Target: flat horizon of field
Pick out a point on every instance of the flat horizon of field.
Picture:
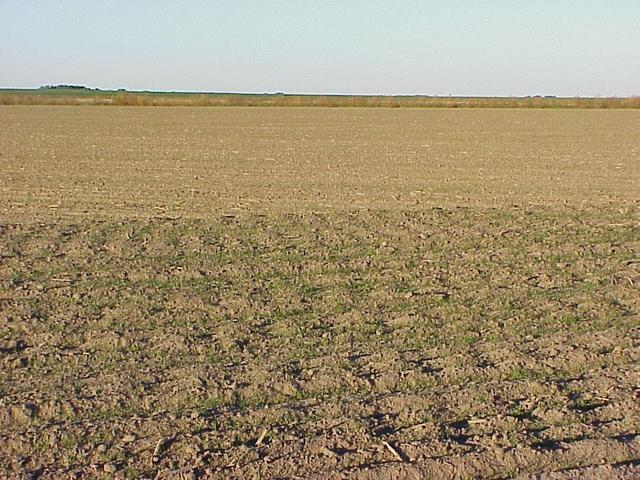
(89, 90)
(82, 96)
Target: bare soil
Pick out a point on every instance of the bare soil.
(317, 293)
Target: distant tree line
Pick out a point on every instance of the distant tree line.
(67, 87)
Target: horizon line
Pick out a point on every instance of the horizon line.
(81, 88)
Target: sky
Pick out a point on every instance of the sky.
(429, 47)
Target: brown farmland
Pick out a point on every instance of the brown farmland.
(325, 293)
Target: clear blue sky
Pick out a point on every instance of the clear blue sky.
(465, 47)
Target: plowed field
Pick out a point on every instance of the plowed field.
(319, 293)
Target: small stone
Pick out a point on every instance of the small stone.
(110, 467)
(101, 448)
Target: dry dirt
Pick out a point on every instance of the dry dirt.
(318, 293)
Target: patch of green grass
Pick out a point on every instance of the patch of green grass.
(68, 441)
(213, 402)
(311, 290)
(359, 287)
(569, 319)
(130, 472)
(468, 340)
(518, 374)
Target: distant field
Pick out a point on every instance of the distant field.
(62, 96)
(319, 293)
